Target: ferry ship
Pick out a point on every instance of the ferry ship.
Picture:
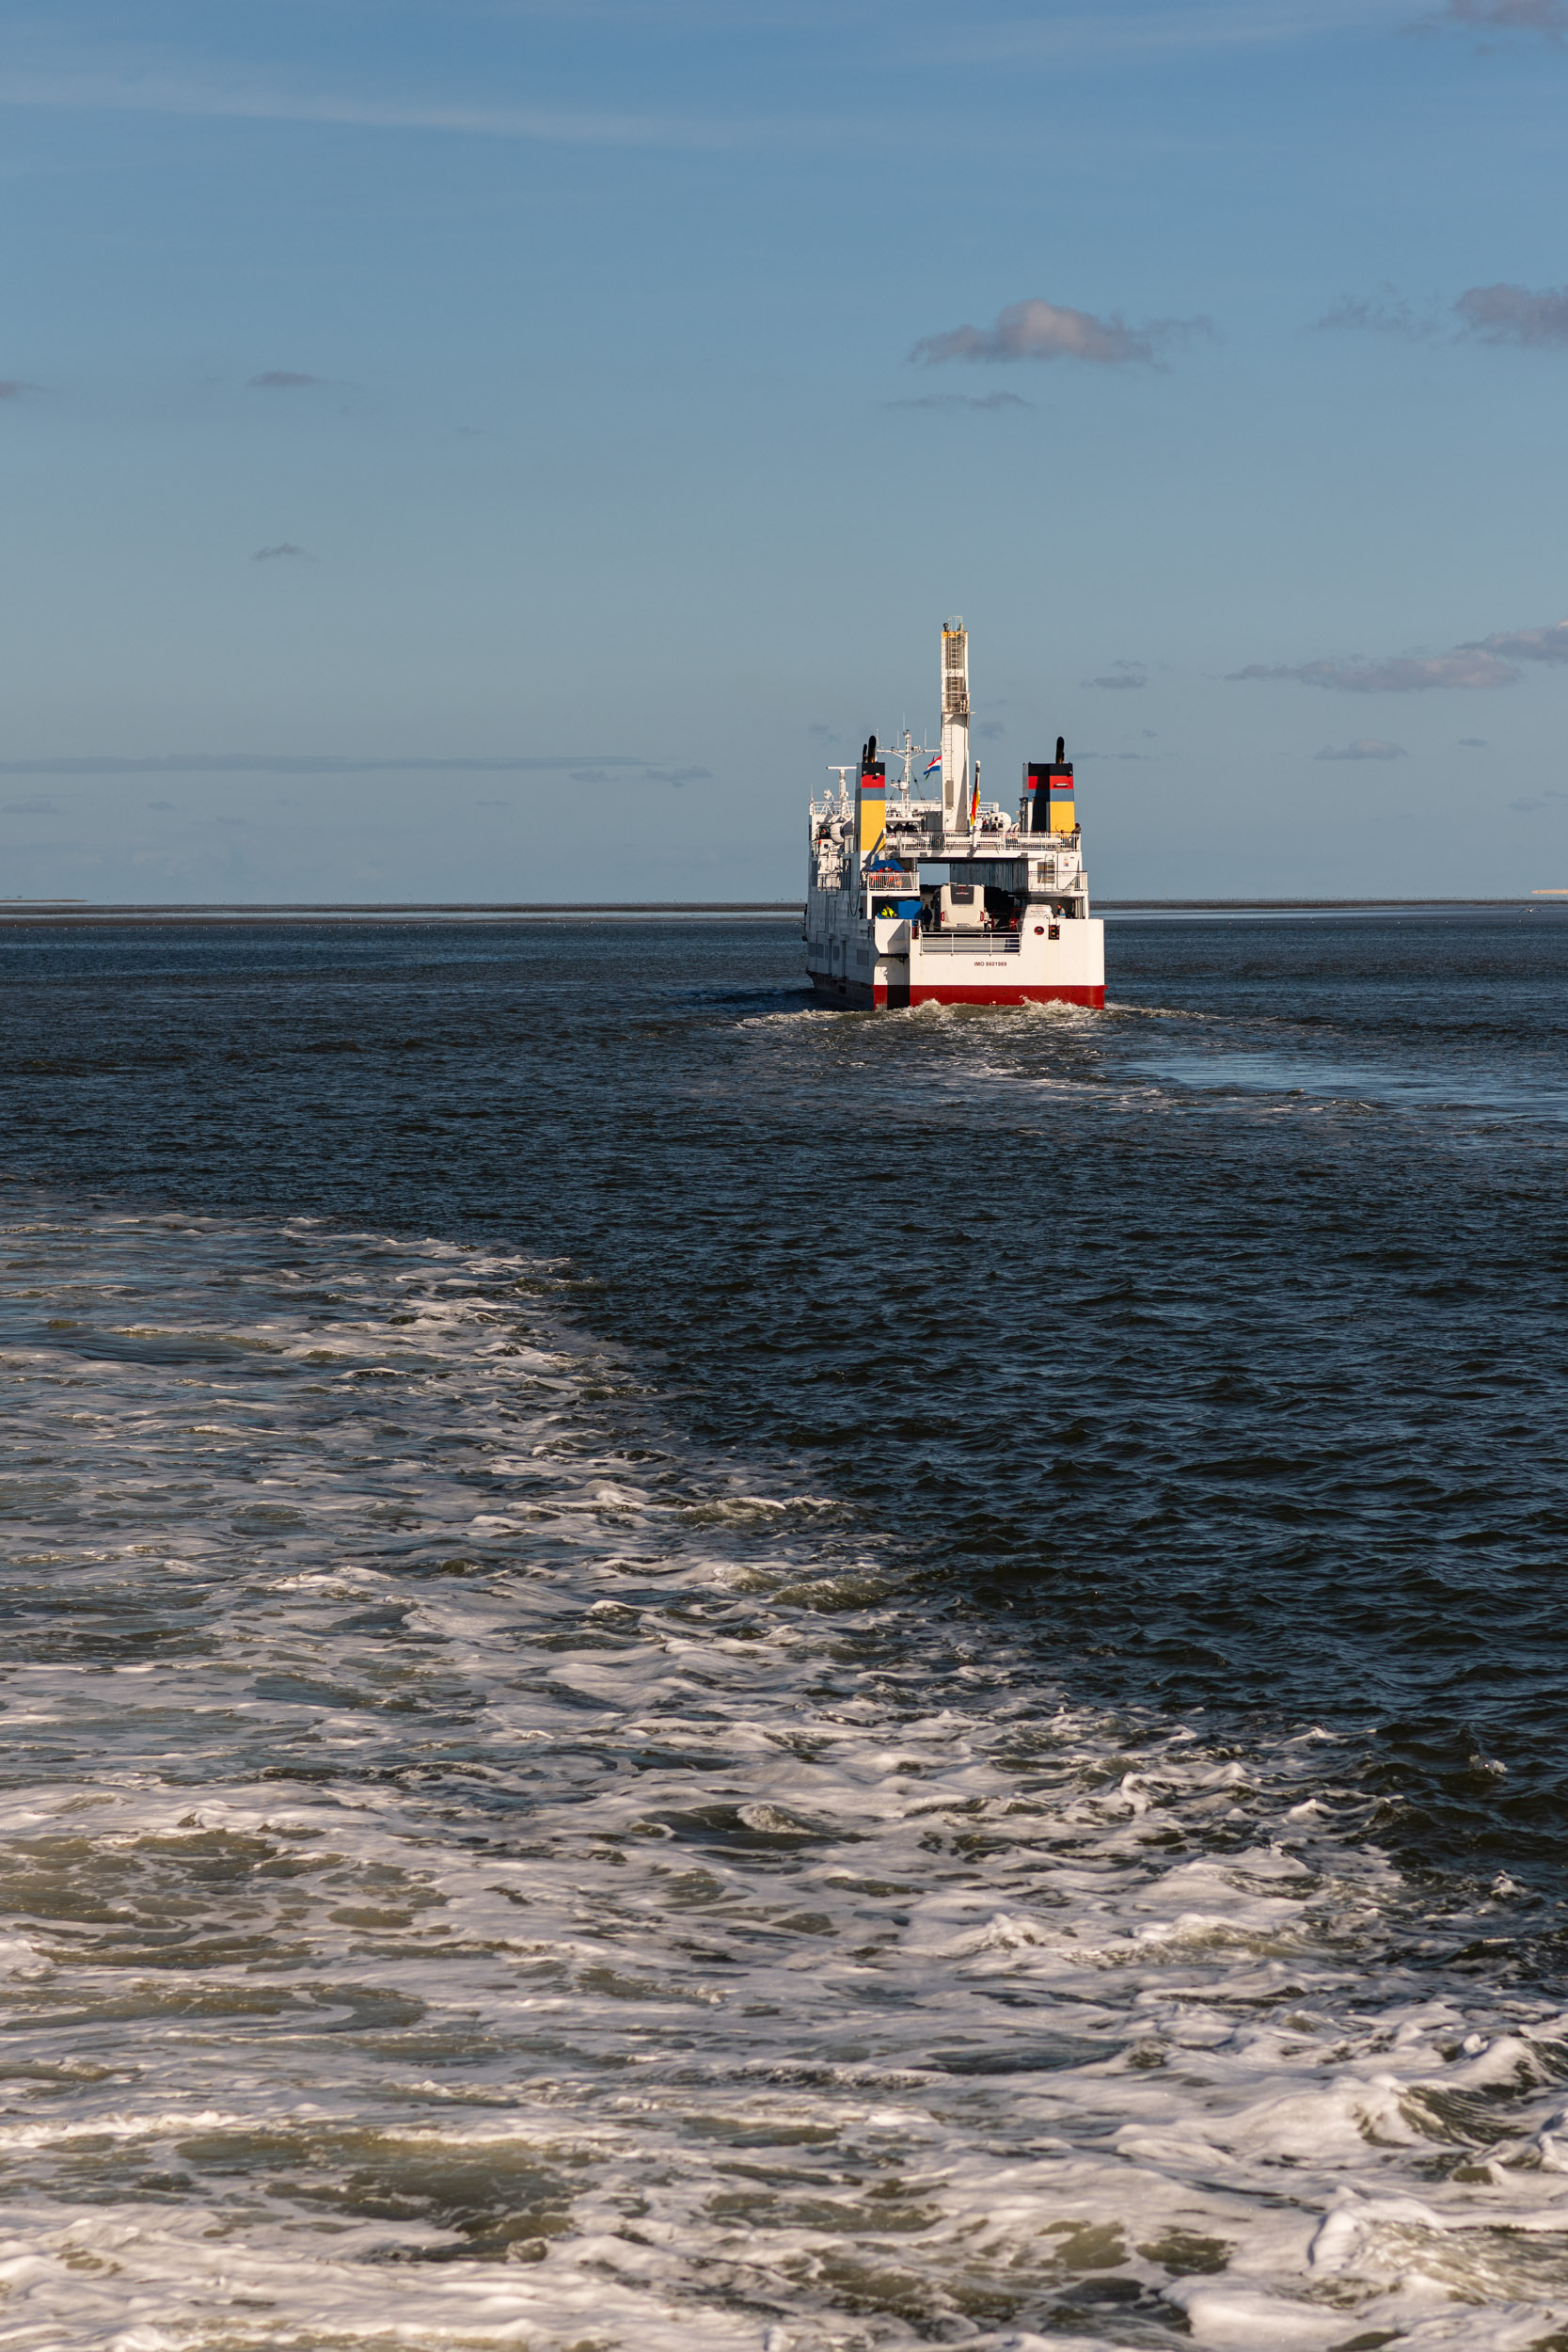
(1007, 922)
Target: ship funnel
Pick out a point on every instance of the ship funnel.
(955, 726)
(1048, 805)
(873, 798)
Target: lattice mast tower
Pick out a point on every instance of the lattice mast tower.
(954, 727)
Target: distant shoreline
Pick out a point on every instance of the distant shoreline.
(29, 913)
(15, 911)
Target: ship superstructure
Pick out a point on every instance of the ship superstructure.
(919, 892)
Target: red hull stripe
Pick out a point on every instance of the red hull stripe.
(859, 993)
(1065, 994)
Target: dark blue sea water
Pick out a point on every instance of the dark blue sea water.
(687, 1670)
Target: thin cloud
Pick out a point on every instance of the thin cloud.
(284, 380)
(1548, 18)
(1387, 313)
(195, 95)
(1511, 314)
(1530, 320)
(1472, 742)
(1038, 329)
(697, 16)
(31, 808)
(1407, 674)
(989, 730)
(678, 776)
(1364, 747)
(963, 400)
(305, 764)
(1130, 33)
(17, 387)
(284, 548)
(1121, 674)
(1530, 644)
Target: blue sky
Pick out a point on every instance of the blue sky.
(506, 449)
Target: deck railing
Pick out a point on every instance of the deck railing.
(970, 944)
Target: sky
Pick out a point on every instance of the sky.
(506, 450)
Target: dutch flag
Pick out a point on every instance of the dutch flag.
(933, 765)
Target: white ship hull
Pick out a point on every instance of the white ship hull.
(847, 963)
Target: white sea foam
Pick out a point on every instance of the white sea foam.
(475, 1874)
